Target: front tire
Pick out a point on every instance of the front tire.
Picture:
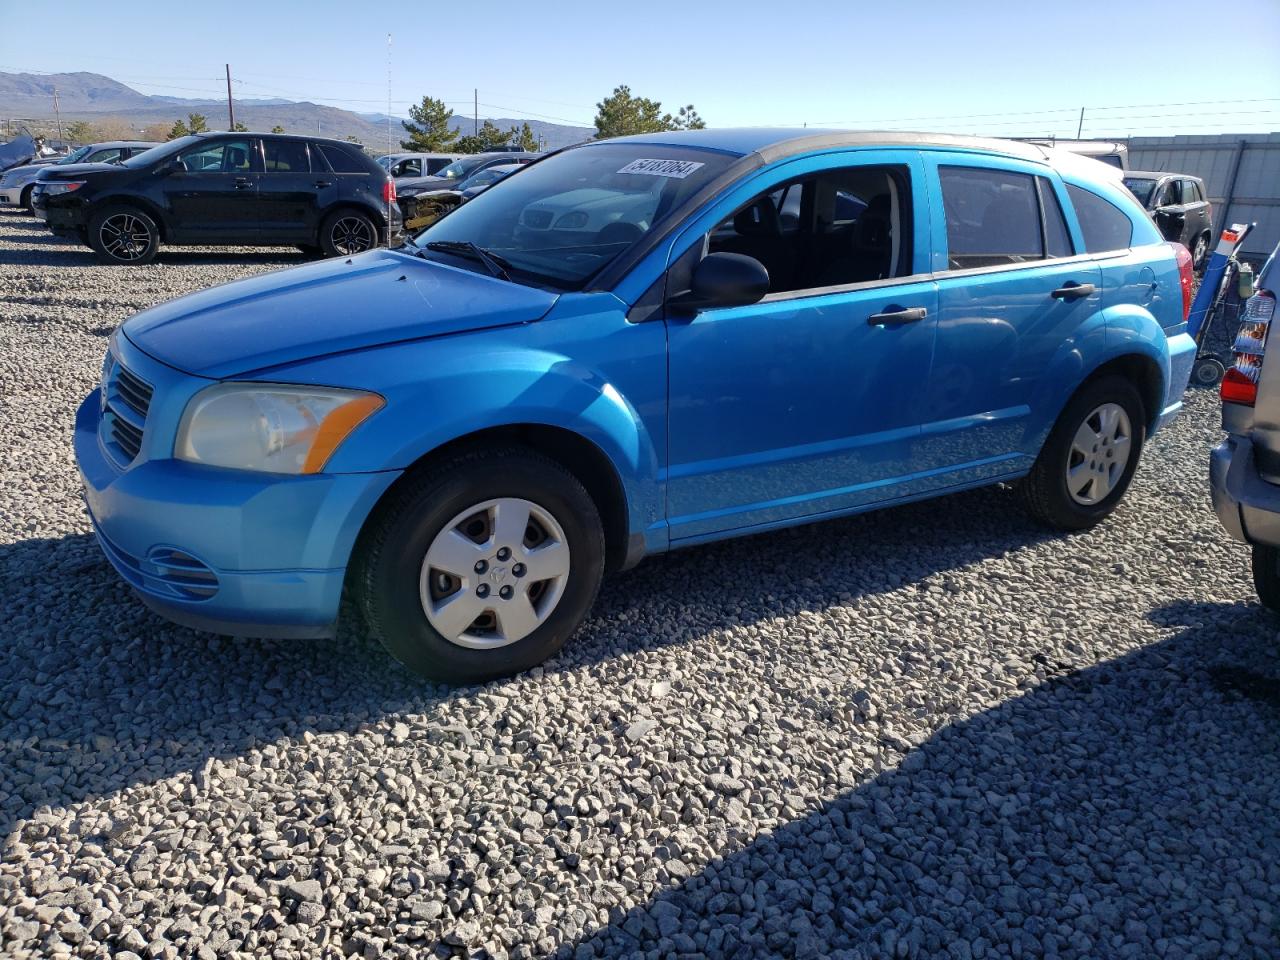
(1266, 575)
(25, 201)
(482, 566)
(123, 235)
(345, 233)
(1089, 458)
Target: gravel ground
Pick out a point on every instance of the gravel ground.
(932, 731)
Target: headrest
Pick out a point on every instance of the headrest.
(759, 219)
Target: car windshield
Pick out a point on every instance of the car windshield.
(1141, 188)
(564, 218)
(74, 156)
(484, 176)
(461, 168)
(148, 157)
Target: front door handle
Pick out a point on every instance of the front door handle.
(324, 183)
(1074, 291)
(895, 316)
(243, 183)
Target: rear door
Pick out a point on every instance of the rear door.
(1196, 209)
(291, 194)
(1017, 296)
(214, 198)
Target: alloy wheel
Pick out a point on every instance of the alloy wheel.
(351, 235)
(125, 237)
(1099, 454)
(494, 573)
(1201, 248)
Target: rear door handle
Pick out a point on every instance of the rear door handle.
(895, 316)
(243, 183)
(324, 183)
(1074, 291)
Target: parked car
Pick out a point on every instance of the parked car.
(449, 177)
(468, 431)
(22, 149)
(1180, 206)
(1113, 153)
(16, 183)
(1244, 470)
(325, 196)
(423, 206)
(416, 164)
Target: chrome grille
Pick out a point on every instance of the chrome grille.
(126, 398)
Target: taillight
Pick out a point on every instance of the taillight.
(1186, 277)
(1240, 385)
(389, 191)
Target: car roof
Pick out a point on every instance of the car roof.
(773, 143)
(123, 143)
(1157, 174)
(310, 138)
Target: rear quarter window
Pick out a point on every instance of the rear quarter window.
(342, 160)
(1104, 225)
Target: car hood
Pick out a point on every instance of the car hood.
(16, 152)
(427, 183)
(69, 171)
(324, 308)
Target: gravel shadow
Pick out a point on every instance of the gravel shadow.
(1063, 849)
(179, 698)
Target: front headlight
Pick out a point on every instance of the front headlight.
(273, 428)
(54, 187)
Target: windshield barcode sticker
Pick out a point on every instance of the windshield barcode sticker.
(676, 169)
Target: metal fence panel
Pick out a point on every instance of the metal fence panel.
(1241, 172)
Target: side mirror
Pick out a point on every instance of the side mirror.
(724, 280)
(171, 166)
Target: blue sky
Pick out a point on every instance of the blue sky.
(967, 66)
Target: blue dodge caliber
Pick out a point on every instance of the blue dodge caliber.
(625, 347)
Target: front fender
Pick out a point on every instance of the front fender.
(438, 391)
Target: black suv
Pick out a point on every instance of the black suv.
(323, 196)
(1180, 207)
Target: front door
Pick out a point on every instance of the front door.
(214, 197)
(807, 402)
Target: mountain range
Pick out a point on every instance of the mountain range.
(96, 98)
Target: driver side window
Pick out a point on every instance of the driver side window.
(829, 229)
(226, 157)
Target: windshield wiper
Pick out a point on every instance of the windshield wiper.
(495, 264)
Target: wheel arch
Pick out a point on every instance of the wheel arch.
(1143, 372)
(576, 453)
(378, 216)
(148, 207)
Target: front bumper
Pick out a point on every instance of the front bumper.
(225, 550)
(1247, 506)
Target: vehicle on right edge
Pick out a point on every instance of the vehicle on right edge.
(1244, 470)
(631, 346)
(1180, 207)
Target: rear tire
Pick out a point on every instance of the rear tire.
(25, 201)
(1200, 252)
(345, 233)
(1078, 478)
(1266, 575)
(447, 518)
(123, 235)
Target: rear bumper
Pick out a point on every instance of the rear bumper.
(1247, 506)
(1182, 360)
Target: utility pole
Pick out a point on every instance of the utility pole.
(475, 122)
(231, 110)
(1080, 128)
(57, 109)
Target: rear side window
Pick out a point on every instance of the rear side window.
(993, 217)
(1104, 225)
(1191, 192)
(286, 156)
(340, 159)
